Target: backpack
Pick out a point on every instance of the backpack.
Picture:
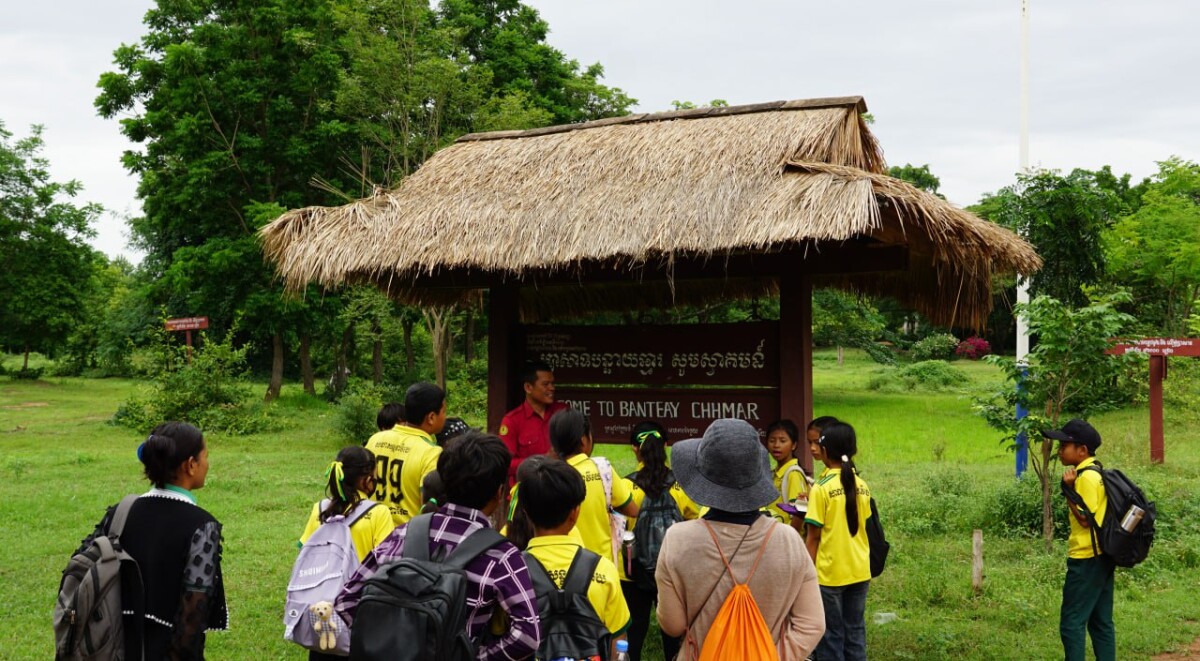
(326, 561)
(739, 630)
(1125, 545)
(571, 628)
(89, 618)
(877, 540)
(616, 520)
(416, 607)
(656, 515)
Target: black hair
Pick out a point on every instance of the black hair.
(567, 429)
(550, 493)
(821, 423)
(788, 427)
(433, 492)
(420, 400)
(167, 447)
(529, 371)
(841, 444)
(520, 528)
(473, 466)
(650, 439)
(389, 416)
(356, 462)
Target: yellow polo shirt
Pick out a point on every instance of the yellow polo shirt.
(841, 559)
(1090, 486)
(403, 457)
(593, 524)
(797, 486)
(370, 529)
(556, 552)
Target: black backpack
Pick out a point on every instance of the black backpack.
(1125, 548)
(88, 616)
(877, 540)
(570, 626)
(654, 517)
(416, 607)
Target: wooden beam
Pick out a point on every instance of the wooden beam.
(503, 311)
(849, 257)
(795, 354)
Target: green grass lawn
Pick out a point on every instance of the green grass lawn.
(935, 469)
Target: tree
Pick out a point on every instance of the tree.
(1064, 217)
(844, 320)
(921, 177)
(43, 247)
(1068, 373)
(1156, 249)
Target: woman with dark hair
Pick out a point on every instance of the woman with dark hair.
(659, 497)
(350, 480)
(838, 508)
(177, 546)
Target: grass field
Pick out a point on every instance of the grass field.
(936, 470)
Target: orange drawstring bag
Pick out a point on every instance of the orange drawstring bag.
(738, 631)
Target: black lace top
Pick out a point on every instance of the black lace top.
(178, 549)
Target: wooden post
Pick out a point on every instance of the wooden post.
(503, 302)
(1158, 372)
(795, 353)
(187, 335)
(977, 561)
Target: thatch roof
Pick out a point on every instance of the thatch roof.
(646, 192)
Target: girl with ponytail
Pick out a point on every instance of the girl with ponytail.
(177, 546)
(349, 480)
(838, 507)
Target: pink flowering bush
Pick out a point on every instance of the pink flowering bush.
(973, 348)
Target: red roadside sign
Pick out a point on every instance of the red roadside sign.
(187, 323)
(1158, 346)
(1158, 349)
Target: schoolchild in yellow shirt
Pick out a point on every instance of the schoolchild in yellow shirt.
(350, 480)
(1087, 602)
(782, 440)
(552, 496)
(408, 452)
(571, 439)
(839, 505)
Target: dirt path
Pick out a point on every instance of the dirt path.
(1192, 653)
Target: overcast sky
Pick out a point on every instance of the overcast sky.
(1112, 82)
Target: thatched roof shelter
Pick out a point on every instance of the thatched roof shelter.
(656, 209)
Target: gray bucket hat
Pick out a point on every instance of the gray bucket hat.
(727, 468)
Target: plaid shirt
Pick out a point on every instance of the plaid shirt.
(498, 576)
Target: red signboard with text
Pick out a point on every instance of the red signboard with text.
(187, 323)
(1158, 346)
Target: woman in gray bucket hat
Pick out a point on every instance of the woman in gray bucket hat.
(729, 470)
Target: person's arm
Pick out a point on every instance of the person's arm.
(314, 522)
(100, 529)
(508, 434)
(1069, 479)
(813, 541)
(815, 518)
(518, 600)
(671, 611)
(195, 600)
(622, 496)
(805, 621)
(347, 600)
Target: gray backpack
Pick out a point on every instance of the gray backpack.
(88, 616)
(326, 561)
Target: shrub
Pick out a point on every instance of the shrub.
(354, 419)
(1016, 509)
(929, 375)
(973, 348)
(28, 373)
(939, 346)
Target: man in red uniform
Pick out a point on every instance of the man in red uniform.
(525, 429)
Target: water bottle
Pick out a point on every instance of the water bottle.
(622, 650)
(1132, 518)
(627, 551)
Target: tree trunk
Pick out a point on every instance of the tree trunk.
(276, 383)
(841, 355)
(341, 366)
(437, 320)
(306, 370)
(1047, 504)
(410, 358)
(25, 366)
(377, 353)
(469, 341)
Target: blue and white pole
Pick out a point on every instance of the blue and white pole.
(1022, 458)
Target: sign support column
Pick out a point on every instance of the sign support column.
(1158, 372)
(795, 353)
(503, 313)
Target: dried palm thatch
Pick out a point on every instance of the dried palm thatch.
(637, 194)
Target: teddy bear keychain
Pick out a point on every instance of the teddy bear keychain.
(324, 624)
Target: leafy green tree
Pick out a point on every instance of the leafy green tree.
(1068, 373)
(1064, 217)
(43, 247)
(919, 176)
(844, 320)
(1156, 249)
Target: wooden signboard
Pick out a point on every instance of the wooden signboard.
(1159, 349)
(684, 412)
(187, 324)
(683, 376)
(1158, 346)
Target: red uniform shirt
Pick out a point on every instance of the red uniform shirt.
(526, 433)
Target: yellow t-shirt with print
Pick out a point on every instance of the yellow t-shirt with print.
(403, 457)
(687, 507)
(841, 559)
(370, 529)
(593, 521)
(1090, 486)
(796, 487)
(556, 552)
